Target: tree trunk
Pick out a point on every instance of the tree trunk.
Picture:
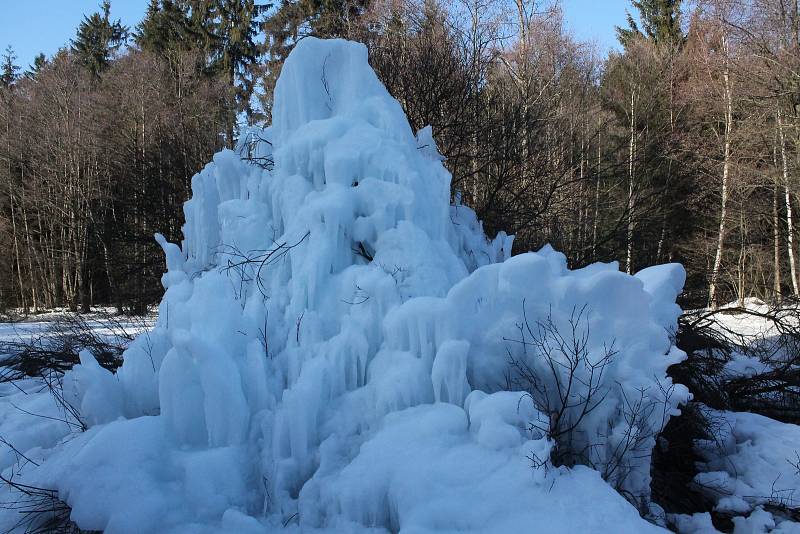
(630, 207)
(788, 200)
(727, 95)
(776, 244)
(597, 191)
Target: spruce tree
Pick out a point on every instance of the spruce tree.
(236, 49)
(97, 39)
(8, 70)
(225, 31)
(166, 26)
(660, 19)
(640, 84)
(39, 62)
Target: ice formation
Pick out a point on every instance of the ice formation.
(334, 341)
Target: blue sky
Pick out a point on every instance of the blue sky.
(594, 20)
(33, 26)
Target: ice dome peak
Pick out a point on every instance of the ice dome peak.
(324, 78)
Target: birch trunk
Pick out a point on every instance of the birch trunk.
(597, 191)
(728, 97)
(788, 200)
(776, 243)
(630, 207)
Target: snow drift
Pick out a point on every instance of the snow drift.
(334, 350)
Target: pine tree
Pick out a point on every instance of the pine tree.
(660, 19)
(203, 20)
(643, 81)
(97, 39)
(8, 70)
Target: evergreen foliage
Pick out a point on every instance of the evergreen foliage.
(166, 27)
(39, 62)
(660, 20)
(98, 38)
(8, 69)
(224, 31)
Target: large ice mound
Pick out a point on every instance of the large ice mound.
(333, 349)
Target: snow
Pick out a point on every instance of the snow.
(100, 320)
(420, 473)
(333, 344)
(758, 522)
(747, 319)
(699, 523)
(749, 469)
(750, 463)
(753, 333)
(94, 391)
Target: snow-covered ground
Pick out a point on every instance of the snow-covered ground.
(752, 471)
(341, 350)
(30, 417)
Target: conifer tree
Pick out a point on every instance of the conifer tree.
(660, 20)
(166, 26)
(38, 64)
(225, 31)
(236, 30)
(8, 70)
(236, 50)
(97, 39)
(185, 25)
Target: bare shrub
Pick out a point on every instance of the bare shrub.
(57, 348)
(40, 510)
(773, 390)
(770, 387)
(592, 419)
(571, 386)
(46, 356)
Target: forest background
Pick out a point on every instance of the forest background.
(682, 145)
